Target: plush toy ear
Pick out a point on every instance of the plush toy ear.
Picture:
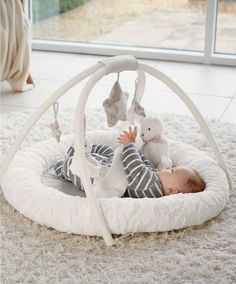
(157, 120)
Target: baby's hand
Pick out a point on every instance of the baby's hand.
(128, 136)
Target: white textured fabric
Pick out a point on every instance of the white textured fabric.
(23, 188)
(119, 63)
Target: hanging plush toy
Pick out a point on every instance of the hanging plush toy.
(136, 110)
(55, 128)
(116, 105)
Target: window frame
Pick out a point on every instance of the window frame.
(207, 56)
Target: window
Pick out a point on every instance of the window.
(182, 30)
(226, 27)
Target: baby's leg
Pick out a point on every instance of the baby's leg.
(103, 153)
(114, 183)
(62, 170)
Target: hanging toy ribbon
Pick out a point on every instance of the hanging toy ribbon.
(55, 128)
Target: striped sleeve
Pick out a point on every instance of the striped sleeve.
(142, 179)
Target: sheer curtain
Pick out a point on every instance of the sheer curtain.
(15, 45)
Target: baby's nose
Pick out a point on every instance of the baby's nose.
(142, 134)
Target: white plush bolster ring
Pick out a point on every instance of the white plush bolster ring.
(26, 188)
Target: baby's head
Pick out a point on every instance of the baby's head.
(180, 180)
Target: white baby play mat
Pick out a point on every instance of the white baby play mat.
(25, 180)
(25, 187)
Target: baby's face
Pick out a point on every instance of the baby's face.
(173, 179)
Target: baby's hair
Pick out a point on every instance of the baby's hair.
(194, 183)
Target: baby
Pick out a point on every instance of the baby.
(145, 181)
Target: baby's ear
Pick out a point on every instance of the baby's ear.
(172, 190)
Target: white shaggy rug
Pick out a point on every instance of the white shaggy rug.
(31, 253)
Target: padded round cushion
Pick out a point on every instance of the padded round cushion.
(25, 191)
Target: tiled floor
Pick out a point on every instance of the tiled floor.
(211, 88)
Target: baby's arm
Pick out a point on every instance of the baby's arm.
(143, 182)
(129, 137)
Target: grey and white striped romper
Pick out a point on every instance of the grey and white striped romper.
(102, 153)
(142, 178)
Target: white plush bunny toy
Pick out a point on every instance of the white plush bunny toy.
(155, 144)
